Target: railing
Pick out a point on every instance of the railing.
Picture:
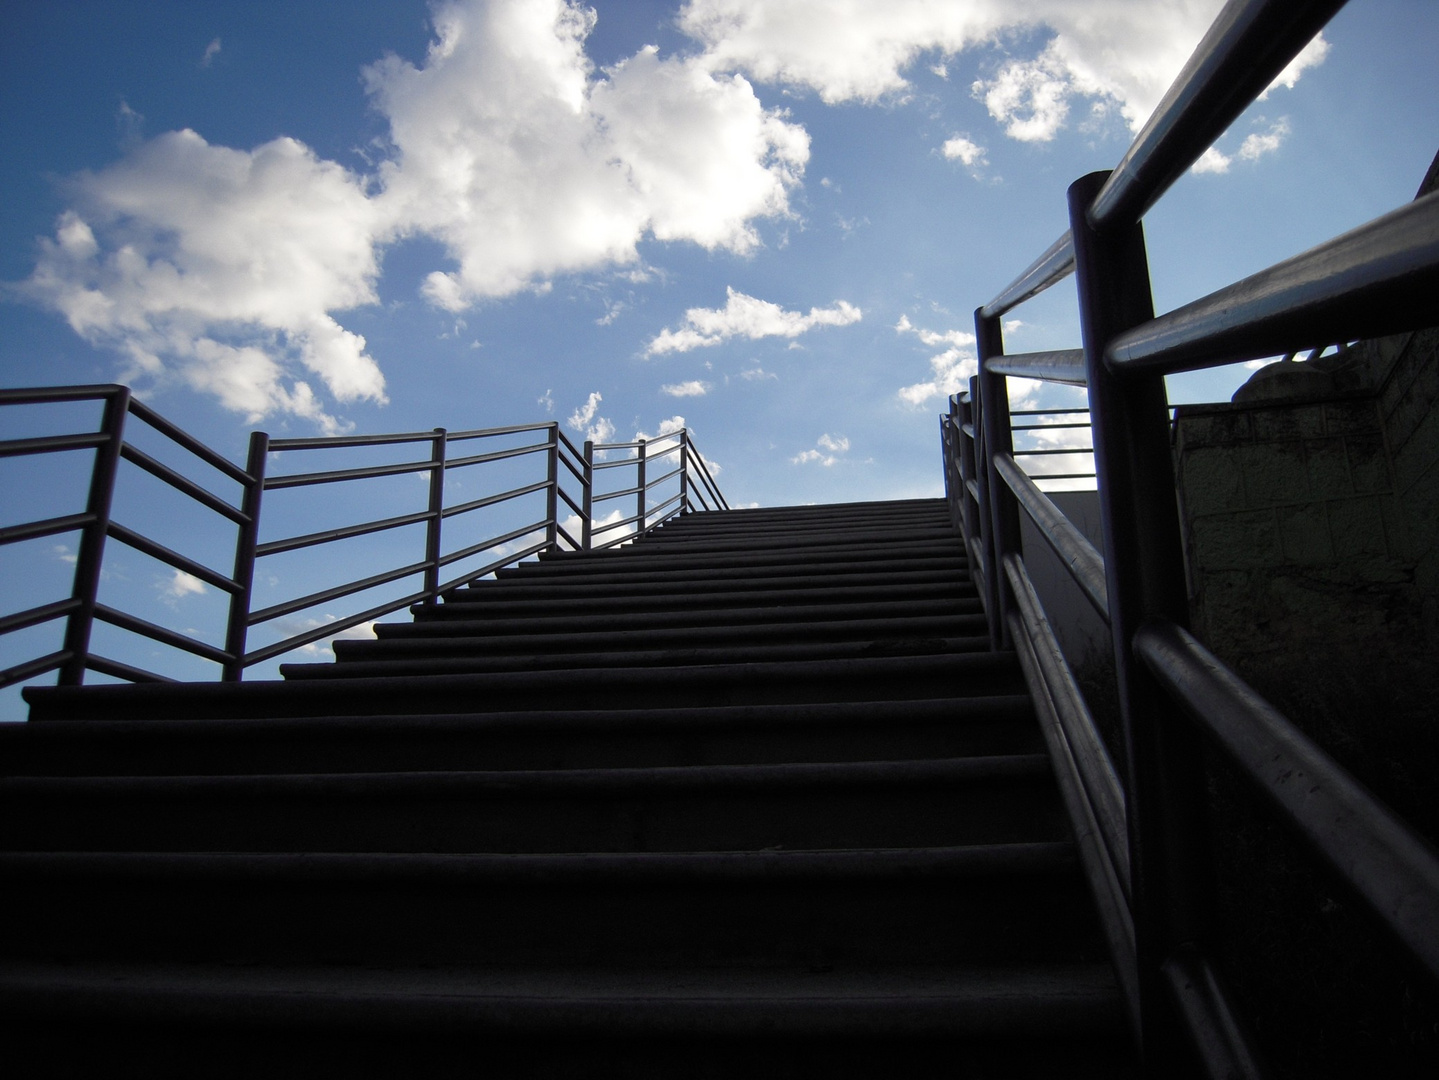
(1143, 841)
(538, 510)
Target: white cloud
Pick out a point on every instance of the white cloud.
(596, 428)
(324, 648)
(1312, 55)
(223, 269)
(746, 316)
(524, 163)
(691, 388)
(950, 370)
(828, 454)
(180, 585)
(212, 50)
(667, 427)
(546, 400)
(1120, 52)
(964, 150)
(218, 269)
(757, 373)
(1255, 146)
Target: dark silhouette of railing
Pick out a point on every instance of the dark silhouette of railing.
(567, 478)
(1143, 840)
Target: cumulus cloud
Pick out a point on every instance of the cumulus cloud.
(1123, 53)
(180, 585)
(691, 388)
(746, 316)
(526, 163)
(964, 150)
(828, 454)
(950, 370)
(1255, 146)
(223, 269)
(585, 419)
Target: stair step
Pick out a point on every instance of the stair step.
(637, 555)
(757, 734)
(603, 584)
(563, 640)
(1021, 1020)
(456, 655)
(992, 799)
(534, 617)
(797, 682)
(769, 910)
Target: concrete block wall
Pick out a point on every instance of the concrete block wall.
(1293, 525)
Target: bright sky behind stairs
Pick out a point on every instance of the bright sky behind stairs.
(768, 220)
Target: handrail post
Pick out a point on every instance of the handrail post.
(684, 471)
(1172, 896)
(91, 551)
(640, 495)
(1003, 507)
(245, 543)
(968, 511)
(437, 509)
(552, 508)
(986, 530)
(587, 497)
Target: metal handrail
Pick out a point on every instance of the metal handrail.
(95, 524)
(1376, 280)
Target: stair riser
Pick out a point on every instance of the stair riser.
(459, 657)
(621, 559)
(658, 583)
(415, 816)
(523, 741)
(808, 924)
(692, 637)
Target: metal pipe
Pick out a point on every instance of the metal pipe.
(1378, 279)
(436, 511)
(1064, 366)
(1004, 538)
(1394, 869)
(1246, 47)
(246, 551)
(552, 478)
(587, 496)
(1056, 264)
(640, 488)
(1221, 1037)
(92, 538)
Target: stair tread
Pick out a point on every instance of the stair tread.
(992, 999)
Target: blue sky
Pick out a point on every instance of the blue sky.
(772, 220)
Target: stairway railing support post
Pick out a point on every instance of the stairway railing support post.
(237, 628)
(1172, 895)
(437, 511)
(640, 514)
(587, 497)
(685, 471)
(552, 499)
(998, 439)
(91, 553)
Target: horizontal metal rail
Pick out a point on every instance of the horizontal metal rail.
(180, 562)
(330, 629)
(371, 472)
(189, 442)
(490, 568)
(34, 530)
(52, 444)
(492, 542)
(639, 442)
(1072, 547)
(508, 429)
(1248, 45)
(40, 665)
(657, 481)
(1367, 844)
(275, 547)
(117, 670)
(43, 613)
(1378, 279)
(1056, 264)
(493, 500)
(36, 395)
(497, 455)
(164, 635)
(335, 442)
(1064, 366)
(335, 593)
(182, 484)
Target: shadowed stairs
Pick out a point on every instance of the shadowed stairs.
(750, 796)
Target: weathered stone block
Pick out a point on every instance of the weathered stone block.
(1409, 396)
(1327, 463)
(1357, 527)
(1287, 422)
(1304, 534)
(1247, 540)
(1368, 464)
(1350, 417)
(1274, 473)
(1211, 480)
(1218, 426)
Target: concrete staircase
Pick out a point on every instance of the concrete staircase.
(749, 797)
